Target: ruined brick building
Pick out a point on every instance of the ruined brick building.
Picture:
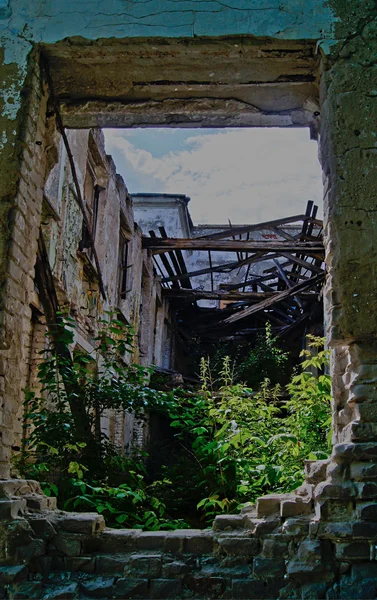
(132, 289)
(132, 278)
(205, 63)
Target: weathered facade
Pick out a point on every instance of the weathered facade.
(211, 64)
(133, 292)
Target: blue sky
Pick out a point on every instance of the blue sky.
(246, 175)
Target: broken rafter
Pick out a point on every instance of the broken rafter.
(311, 211)
(278, 297)
(286, 330)
(165, 263)
(288, 283)
(282, 233)
(172, 255)
(211, 267)
(257, 226)
(184, 281)
(248, 266)
(224, 268)
(159, 246)
(244, 333)
(159, 269)
(253, 281)
(302, 263)
(239, 255)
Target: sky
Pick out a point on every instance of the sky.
(245, 175)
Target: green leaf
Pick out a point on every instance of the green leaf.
(121, 518)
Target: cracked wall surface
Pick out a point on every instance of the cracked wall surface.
(215, 64)
(75, 274)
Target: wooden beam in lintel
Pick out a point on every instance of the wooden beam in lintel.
(159, 246)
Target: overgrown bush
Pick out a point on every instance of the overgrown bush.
(253, 363)
(248, 443)
(231, 443)
(66, 449)
(264, 360)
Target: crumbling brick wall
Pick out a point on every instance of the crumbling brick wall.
(340, 553)
(18, 289)
(46, 199)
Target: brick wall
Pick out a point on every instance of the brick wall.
(19, 286)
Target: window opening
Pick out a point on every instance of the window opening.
(124, 267)
(91, 198)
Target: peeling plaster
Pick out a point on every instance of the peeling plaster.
(11, 103)
(3, 140)
(5, 10)
(54, 20)
(24, 23)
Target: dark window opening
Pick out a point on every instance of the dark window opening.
(124, 267)
(91, 198)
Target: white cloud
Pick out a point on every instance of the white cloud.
(248, 175)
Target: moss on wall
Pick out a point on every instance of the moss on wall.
(349, 144)
(9, 155)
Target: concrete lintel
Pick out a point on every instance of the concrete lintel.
(181, 113)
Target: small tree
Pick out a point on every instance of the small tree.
(265, 360)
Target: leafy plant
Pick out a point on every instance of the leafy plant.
(264, 360)
(248, 443)
(231, 443)
(81, 467)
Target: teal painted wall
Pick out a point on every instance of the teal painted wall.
(52, 20)
(24, 23)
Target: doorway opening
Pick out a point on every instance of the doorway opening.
(189, 291)
(103, 260)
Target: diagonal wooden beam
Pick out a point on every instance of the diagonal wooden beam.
(224, 268)
(254, 227)
(278, 297)
(282, 233)
(185, 282)
(302, 263)
(288, 283)
(256, 279)
(166, 264)
(172, 255)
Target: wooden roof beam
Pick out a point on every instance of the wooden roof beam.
(255, 227)
(159, 246)
(190, 294)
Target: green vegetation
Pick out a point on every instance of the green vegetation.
(254, 363)
(66, 449)
(228, 444)
(245, 443)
